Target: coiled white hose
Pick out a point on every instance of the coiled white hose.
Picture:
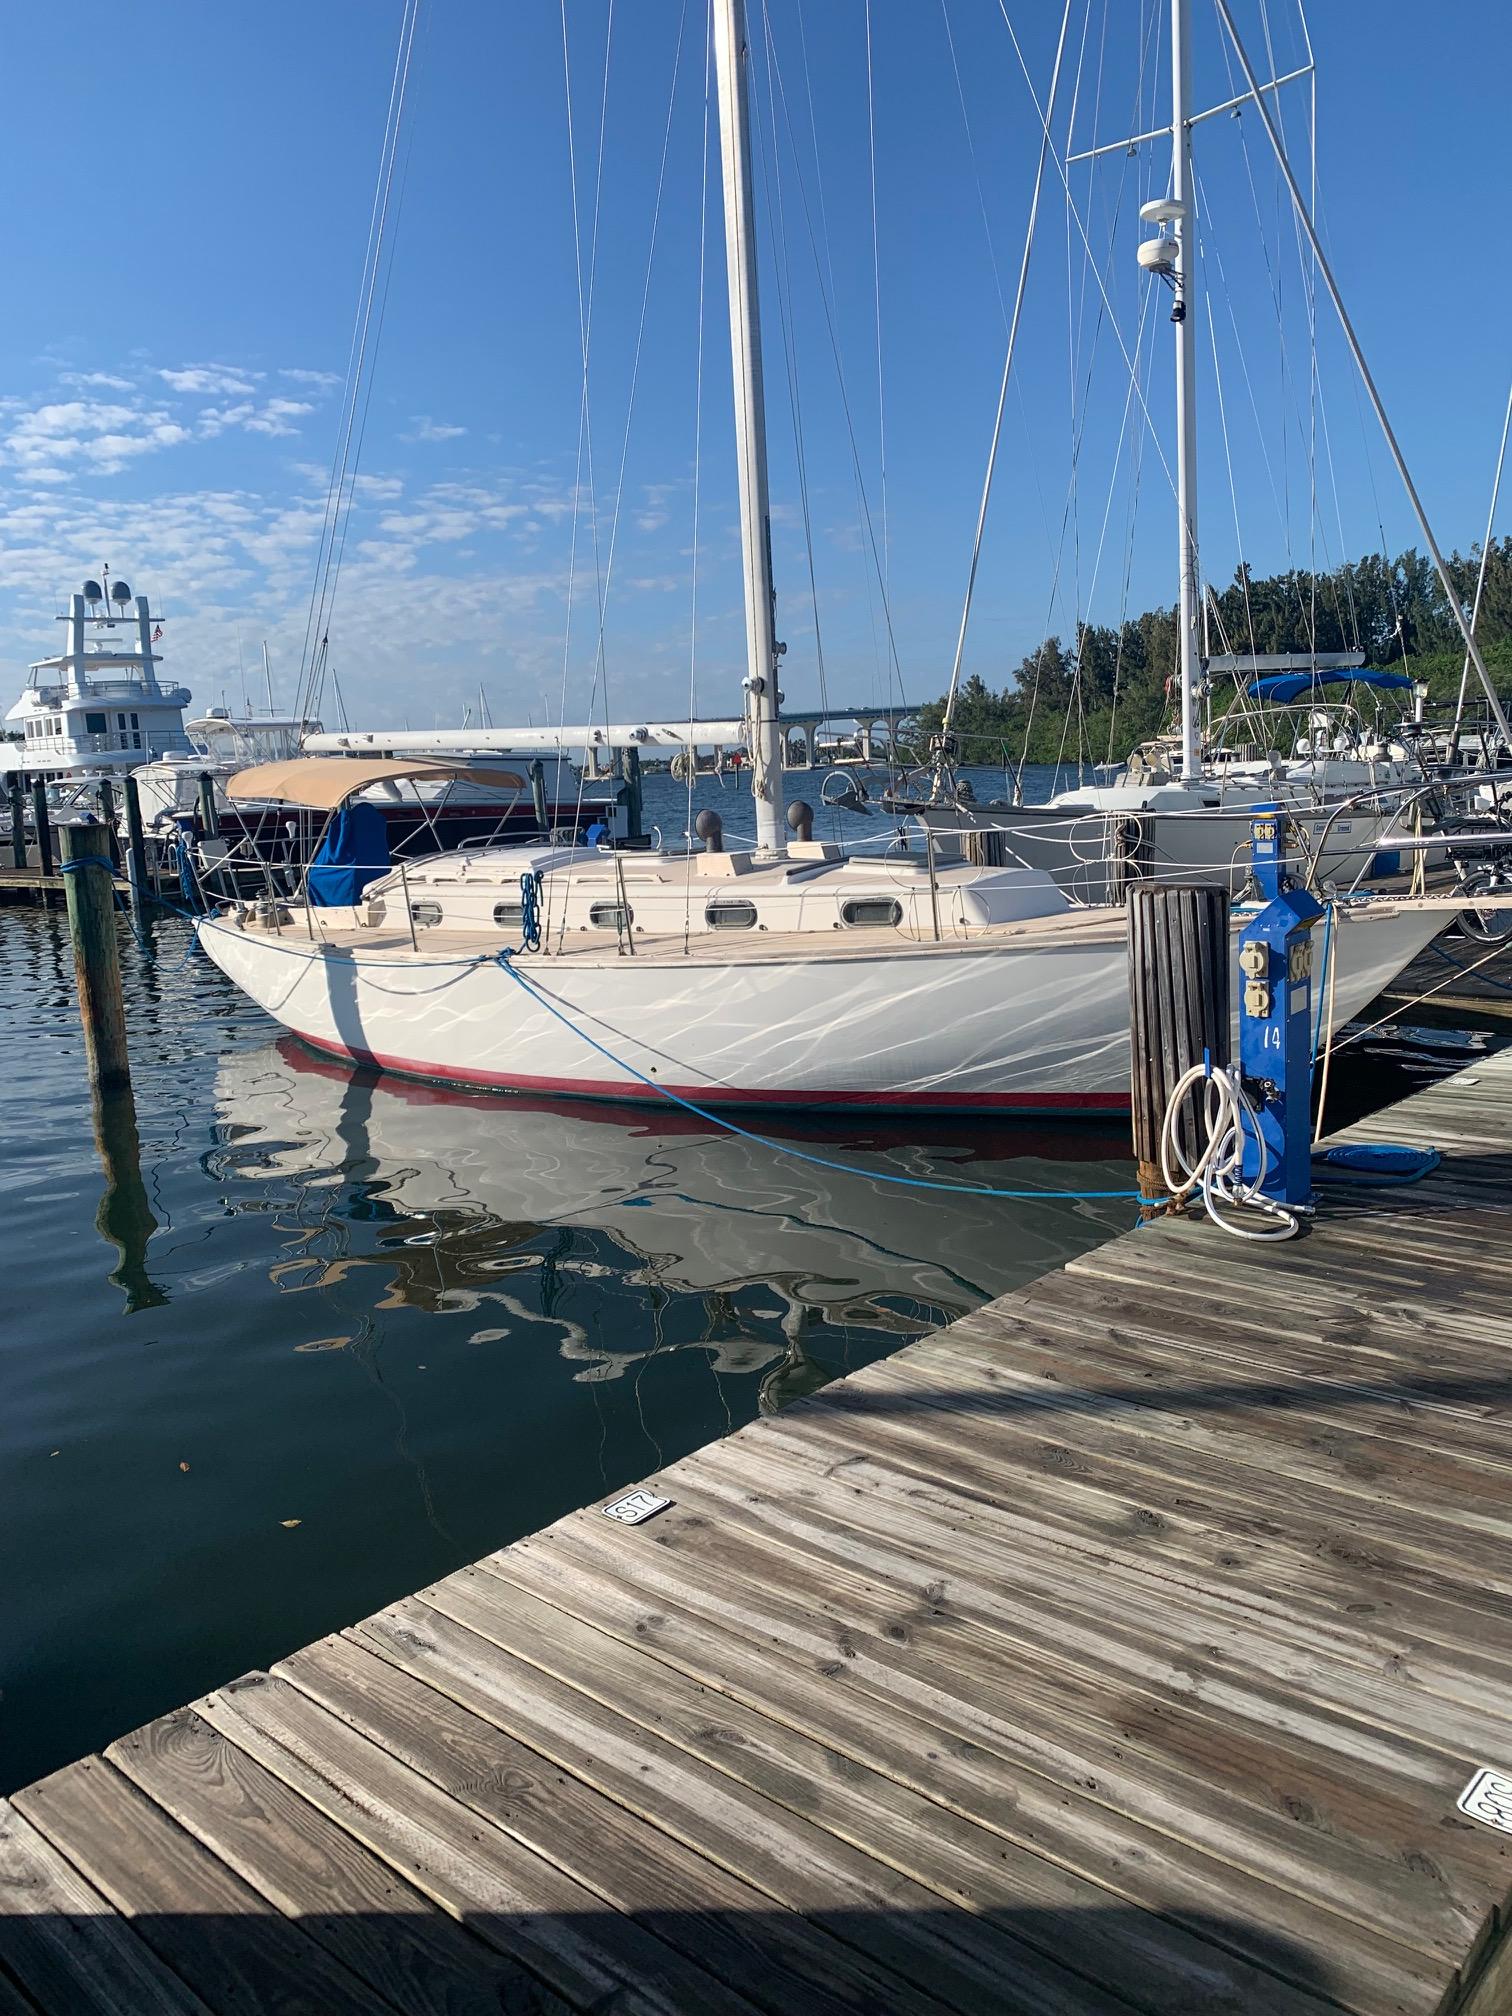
(1218, 1170)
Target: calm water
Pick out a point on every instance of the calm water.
(300, 1340)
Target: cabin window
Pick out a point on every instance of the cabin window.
(509, 915)
(873, 910)
(425, 912)
(95, 724)
(120, 720)
(611, 916)
(730, 913)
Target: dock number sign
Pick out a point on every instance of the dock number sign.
(1488, 1797)
(634, 1507)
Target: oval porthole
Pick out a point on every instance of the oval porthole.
(425, 913)
(509, 915)
(730, 913)
(611, 916)
(871, 910)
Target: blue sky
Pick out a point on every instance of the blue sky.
(189, 190)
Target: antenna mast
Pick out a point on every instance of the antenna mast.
(732, 59)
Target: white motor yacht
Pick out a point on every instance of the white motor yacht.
(98, 709)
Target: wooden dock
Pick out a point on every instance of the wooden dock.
(1126, 1646)
(30, 885)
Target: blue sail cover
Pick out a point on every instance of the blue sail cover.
(1287, 686)
(353, 853)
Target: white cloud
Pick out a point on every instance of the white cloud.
(100, 435)
(320, 381)
(224, 381)
(104, 381)
(653, 511)
(427, 429)
(271, 418)
(215, 420)
(274, 418)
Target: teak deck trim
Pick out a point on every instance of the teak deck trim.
(1125, 1646)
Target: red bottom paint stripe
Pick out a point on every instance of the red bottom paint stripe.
(1068, 1103)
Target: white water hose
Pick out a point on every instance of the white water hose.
(1218, 1170)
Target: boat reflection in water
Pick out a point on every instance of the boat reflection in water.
(632, 1238)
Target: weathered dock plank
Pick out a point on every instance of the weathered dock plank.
(1124, 1647)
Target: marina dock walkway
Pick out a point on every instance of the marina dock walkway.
(1125, 1646)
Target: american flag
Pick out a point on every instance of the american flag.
(156, 635)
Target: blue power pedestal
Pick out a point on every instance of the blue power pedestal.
(1275, 1016)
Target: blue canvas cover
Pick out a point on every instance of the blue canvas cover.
(353, 853)
(1284, 687)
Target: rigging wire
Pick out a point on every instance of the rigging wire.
(871, 137)
(1480, 578)
(992, 258)
(1404, 473)
(883, 676)
(585, 297)
(1112, 318)
(771, 176)
(337, 496)
(698, 377)
(601, 668)
(834, 343)
(1046, 149)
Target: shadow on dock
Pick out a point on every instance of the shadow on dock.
(843, 1962)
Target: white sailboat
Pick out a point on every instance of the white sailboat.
(787, 975)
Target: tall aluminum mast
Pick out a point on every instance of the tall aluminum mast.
(732, 58)
(1182, 315)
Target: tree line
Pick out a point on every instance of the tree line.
(1094, 697)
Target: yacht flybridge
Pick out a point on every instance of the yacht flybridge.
(789, 974)
(98, 709)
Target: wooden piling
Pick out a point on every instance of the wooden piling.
(136, 844)
(630, 770)
(538, 796)
(97, 954)
(1178, 1007)
(18, 818)
(42, 826)
(209, 817)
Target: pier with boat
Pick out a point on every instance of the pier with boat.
(767, 1370)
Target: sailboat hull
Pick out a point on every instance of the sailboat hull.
(1035, 1026)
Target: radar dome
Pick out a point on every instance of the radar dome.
(120, 593)
(93, 592)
